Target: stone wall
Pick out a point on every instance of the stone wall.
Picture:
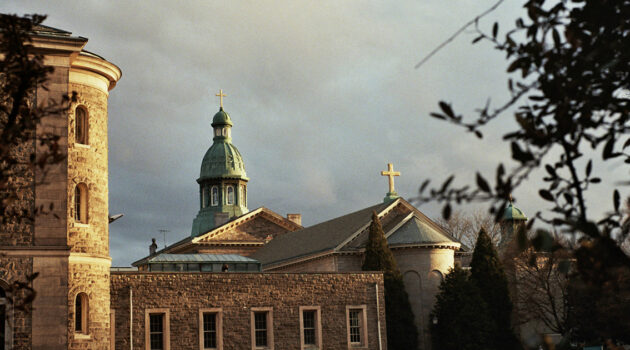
(16, 269)
(88, 164)
(183, 294)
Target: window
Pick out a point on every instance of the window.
(242, 196)
(217, 132)
(215, 196)
(80, 204)
(81, 312)
(157, 329)
(81, 125)
(210, 329)
(310, 327)
(356, 322)
(230, 194)
(262, 328)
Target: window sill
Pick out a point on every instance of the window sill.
(82, 336)
(80, 145)
(78, 224)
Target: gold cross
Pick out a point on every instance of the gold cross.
(390, 173)
(221, 96)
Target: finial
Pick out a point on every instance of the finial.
(221, 95)
(390, 173)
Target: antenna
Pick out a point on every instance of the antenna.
(163, 232)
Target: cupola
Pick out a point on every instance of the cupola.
(222, 179)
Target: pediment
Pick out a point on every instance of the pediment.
(259, 225)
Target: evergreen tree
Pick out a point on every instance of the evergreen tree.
(488, 276)
(401, 330)
(460, 318)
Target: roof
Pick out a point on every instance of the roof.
(317, 238)
(199, 258)
(349, 233)
(513, 213)
(415, 231)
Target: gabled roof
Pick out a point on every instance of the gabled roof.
(405, 226)
(207, 238)
(317, 238)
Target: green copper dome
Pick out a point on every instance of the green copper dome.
(513, 213)
(222, 160)
(221, 118)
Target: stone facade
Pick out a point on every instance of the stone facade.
(236, 294)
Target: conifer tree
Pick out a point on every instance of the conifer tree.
(460, 318)
(488, 276)
(401, 330)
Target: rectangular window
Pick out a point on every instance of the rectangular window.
(310, 327)
(157, 329)
(210, 329)
(357, 325)
(262, 328)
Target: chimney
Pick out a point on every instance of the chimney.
(221, 218)
(296, 218)
(152, 247)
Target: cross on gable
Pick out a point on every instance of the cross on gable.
(390, 173)
(221, 95)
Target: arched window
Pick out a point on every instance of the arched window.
(81, 125)
(215, 196)
(204, 197)
(5, 323)
(81, 312)
(80, 203)
(241, 196)
(230, 194)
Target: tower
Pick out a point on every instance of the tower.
(222, 180)
(513, 218)
(68, 246)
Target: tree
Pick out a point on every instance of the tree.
(488, 276)
(569, 66)
(25, 152)
(401, 330)
(465, 227)
(460, 317)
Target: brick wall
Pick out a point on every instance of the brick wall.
(183, 294)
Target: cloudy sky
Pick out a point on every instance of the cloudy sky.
(323, 94)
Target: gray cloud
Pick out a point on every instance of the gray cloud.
(322, 94)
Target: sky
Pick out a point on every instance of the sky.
(322, 94)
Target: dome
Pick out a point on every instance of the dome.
(221, 118)
(513, 213)
(222, 160)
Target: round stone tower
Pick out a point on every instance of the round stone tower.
(91, 77)
(222, 181)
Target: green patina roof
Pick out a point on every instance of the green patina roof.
(221, 118)
(222, 160)
(415, 231)
(513, 213)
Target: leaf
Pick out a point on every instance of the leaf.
(495, 30)
(626, 144)
(438, 116)
(477, 39)
(595, 180)
(446, 108)
(478, 134)
(589, 168)
(556, 37)
(546, 195)
(482, 183)
(608, 149)
(446, 212)
(616, 200)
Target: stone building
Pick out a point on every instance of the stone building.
(68, 247)
(82, 304)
